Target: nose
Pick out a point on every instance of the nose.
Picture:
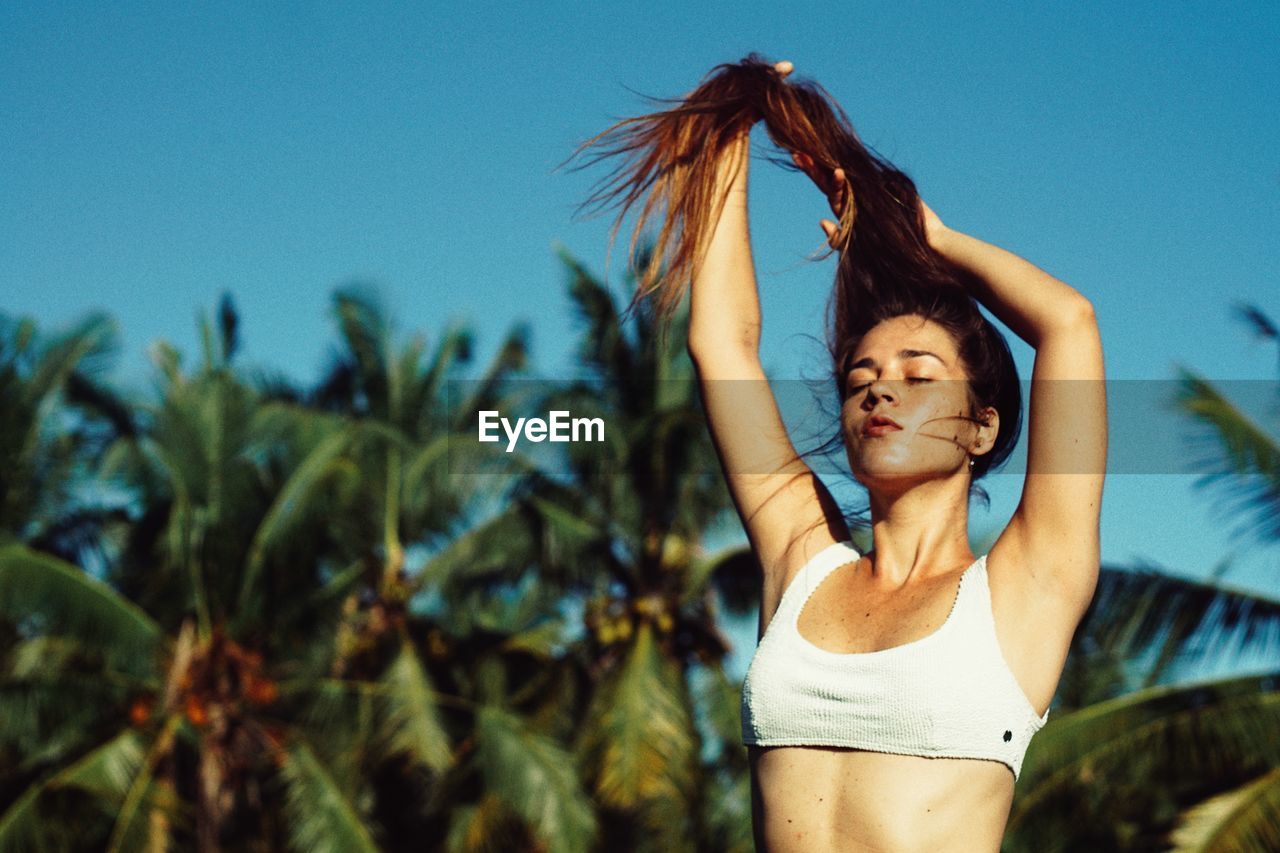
(881, 389)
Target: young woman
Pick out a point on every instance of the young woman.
(894, 693)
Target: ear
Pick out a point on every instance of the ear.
(988, 428)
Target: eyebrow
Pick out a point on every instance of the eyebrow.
(902, 353)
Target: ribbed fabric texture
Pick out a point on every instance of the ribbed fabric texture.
(948, 695)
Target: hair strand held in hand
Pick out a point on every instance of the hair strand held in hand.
(667, 163)
(668, 159)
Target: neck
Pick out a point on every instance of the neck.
(920, 533)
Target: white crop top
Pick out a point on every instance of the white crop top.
(948, 695)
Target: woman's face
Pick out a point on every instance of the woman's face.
(907, 369)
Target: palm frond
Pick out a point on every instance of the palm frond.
(228, 327)
(727, 821)
(281, 519)
(485, 393)
(108, 771)
(1246, 818)
(1195, 731)
(94, 397)
(88, 347)
(43, 656)
(719, 709)
(320, 818)
(339, 383)
(734, 572)
(455, 347)
(152, 825)
(1257, 320)
(168, 360)
(365, 328)
(272, 385)
(603, 345)
(138, 803)
(413, 724)
(1238, 456)
(542, 640)
(1147, 608)
(105, 771)
(638, 744)
(320, 606)
(339, 716)
(499, 546)
(451, 471)
(72, 603)
(410, 392)
(487, 826)
(535, 778)
(45, 714)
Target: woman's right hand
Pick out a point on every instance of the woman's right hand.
(737, 147)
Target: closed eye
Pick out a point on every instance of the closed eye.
(911, 380)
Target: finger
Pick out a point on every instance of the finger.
(805, 163)
(829, 228)
(783, 68)
(840, 193)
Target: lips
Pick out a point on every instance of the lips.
(879, 425)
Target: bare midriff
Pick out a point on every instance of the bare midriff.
(817, 799)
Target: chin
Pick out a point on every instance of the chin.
(890, 472)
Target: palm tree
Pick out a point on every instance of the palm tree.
(55, 417)
(1195, 765)
(616, 531)
(145, 693)
(213, 636)
(409, 494)
(451, 658)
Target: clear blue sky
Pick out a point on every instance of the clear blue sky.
(156, 155)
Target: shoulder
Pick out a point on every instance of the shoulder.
(805, 545)
(1055, 583)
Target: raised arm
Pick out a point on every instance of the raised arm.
(724, 307)
(683, 170)
(1056, 522)
(776, 494)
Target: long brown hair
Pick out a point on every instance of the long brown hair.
(667, 163)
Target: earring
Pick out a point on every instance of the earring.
(971, 461)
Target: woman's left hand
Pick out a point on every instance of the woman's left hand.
(833, 185)
(836, 188)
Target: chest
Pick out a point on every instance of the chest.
(844, 615)
(847, 615)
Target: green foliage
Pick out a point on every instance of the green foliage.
(535, 778)
(106, 771)
(69, 603)
(321, 819)
(413, 722)
(1246, 818)
(1244, 458)
(309, 631)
